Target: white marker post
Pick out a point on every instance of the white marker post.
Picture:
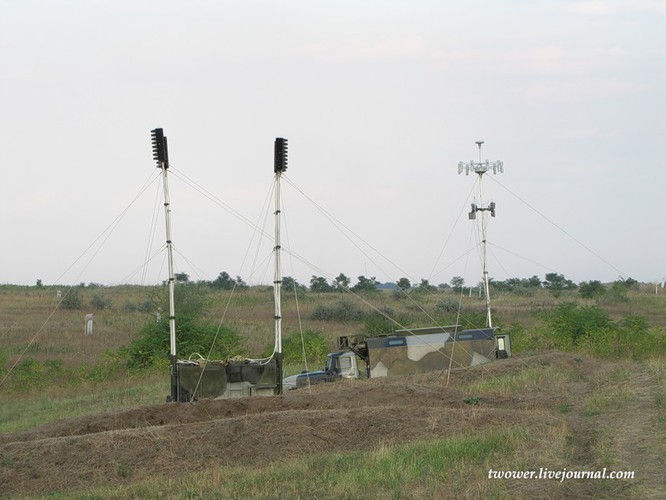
(89, 324)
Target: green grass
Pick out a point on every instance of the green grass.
(609, 400)
(451, 467)
(24, 411)
(515, 383)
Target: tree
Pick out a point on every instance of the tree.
(591, 289)
(425, 286)
(556, 283)
(182, 277)
(341, 283)
(289, 284)
(404, 284)
(628, 283)
(534, 281)
(319, 284)
(457, 282)
(365, 284)
(224, 282)
(240, 283)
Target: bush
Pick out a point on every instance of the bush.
(293, 344)
(72, 299)
(378, 322)
(448, 305)
(571, 323)
(100, 302)
(192, 336)
(591, 289)
(340, 311)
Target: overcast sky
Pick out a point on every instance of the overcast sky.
(379, 99)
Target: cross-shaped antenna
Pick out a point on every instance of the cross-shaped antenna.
(480, 167)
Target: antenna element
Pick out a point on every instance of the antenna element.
(160, 152)
(280, 155)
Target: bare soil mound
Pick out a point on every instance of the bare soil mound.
(172, 439)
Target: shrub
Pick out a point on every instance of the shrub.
(571, 323)
(100, 302)
(192, 336)
(448, 305)
(378, 322)
(72, 299)
(3, 361)
(340, 311)
(28, 374)
(591, 289)
(293, 344)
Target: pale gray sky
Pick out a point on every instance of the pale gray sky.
(379, 100)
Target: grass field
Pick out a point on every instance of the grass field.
(583, 409)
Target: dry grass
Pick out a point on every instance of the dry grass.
(553, 410)
(405, 437)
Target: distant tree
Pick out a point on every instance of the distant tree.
(457, 283)
(240, 283)
(341, 282)
(591, 289)
(289, 284)
(404, 284)
(319, 284)
(182, 277)
(556, 283)
(628, 283)
(224, 282)
(534, 281)
(425, 286)
(39, 284)
(365, 284)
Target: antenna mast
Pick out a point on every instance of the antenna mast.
(280, 165)
(161, 156)
(480, 168)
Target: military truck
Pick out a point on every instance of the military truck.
(406, 352)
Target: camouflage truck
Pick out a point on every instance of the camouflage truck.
(407, 352)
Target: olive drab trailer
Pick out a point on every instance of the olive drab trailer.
(407, 352)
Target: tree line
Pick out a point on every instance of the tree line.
(554, 282)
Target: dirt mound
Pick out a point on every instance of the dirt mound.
(173, 439)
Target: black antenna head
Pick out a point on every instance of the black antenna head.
(280, 155)
(160, 153)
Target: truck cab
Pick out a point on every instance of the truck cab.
(339, 365)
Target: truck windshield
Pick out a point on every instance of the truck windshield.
(332, 364)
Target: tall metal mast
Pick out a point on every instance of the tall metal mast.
(481, 168)
(161, 156)
(280, 165)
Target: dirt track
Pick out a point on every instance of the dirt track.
(173, 439)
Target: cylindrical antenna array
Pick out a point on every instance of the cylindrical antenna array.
(279, 167)
(161, 156)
